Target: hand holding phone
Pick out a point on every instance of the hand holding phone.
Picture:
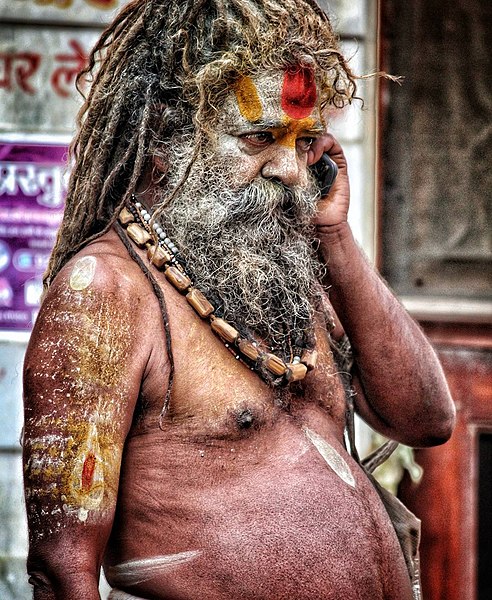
(325, 172)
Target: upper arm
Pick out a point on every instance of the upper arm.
(82, 375)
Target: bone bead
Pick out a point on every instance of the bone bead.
(275, 364)
(198, 301)
(138, 234)
(224, 330)
(296, 371)
(158, 256)
(309, 358)
(125, 216)
(249, 349)
(179, 280)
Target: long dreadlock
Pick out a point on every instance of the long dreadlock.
(164, 66)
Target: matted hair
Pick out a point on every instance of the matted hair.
(164, 67)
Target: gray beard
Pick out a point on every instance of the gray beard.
(249, 251)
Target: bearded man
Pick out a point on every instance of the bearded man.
(187, 390)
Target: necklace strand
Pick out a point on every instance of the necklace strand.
(165, 256)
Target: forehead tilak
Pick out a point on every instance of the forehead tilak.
(297, 97)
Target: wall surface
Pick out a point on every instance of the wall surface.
(437, 254)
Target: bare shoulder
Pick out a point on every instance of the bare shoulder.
(99, 313)
(104, 266)
(103, 276)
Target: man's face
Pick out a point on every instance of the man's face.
(267, 125)
(242, 218)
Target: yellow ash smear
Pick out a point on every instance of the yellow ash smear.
(61, 476)
(105, 337)
(248, 101)
(292, 130)
(98, 338)
(83, 273)
(74, 452)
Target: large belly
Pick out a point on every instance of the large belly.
(232, 521)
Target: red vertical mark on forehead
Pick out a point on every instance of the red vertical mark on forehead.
(298, 92)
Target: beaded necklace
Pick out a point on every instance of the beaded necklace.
(165, 256)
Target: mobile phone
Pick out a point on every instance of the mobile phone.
(325, 172)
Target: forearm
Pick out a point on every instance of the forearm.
(399, 371)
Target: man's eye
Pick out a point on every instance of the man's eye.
(305, 143)
(259, 138)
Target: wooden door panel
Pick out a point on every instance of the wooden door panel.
(447, 498)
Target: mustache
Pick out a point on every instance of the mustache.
(268, 199)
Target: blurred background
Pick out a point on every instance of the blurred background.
(420, 160)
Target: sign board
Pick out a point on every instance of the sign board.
(32, 190)
(93, 12)
(38, 68)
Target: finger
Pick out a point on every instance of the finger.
(320, 145)
(335, 152)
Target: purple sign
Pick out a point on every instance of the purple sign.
(32, 191)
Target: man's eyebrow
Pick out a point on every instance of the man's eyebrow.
(265, 124)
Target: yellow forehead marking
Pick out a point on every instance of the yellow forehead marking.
(248, 100)
(83, 273)
(288, 134)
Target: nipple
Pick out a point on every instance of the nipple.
(245, 419)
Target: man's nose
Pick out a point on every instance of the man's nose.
(284, 165)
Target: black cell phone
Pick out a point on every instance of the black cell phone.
(325, 172)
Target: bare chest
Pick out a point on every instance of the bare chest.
(215, 395)
(246, 485)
